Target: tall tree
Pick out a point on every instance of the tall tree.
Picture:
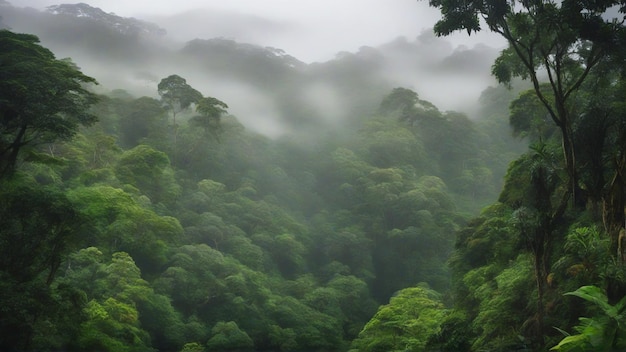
(211, 111)
(37, 228)
(558, 46)
(42, 99)
(565, 40)
(177, 96)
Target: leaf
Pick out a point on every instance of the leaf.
(595, 295)
(571, 341)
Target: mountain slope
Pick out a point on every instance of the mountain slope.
(267, 89)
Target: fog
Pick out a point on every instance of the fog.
(307, 29)
(279, 65)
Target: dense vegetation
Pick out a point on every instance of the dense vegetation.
(558, 229)
(135, 223)
(162, 223)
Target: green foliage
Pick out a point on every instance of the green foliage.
(177, 94)
(393, 145)
(123, 312)
(228, 337)
(584, 258)
(211, 111)
(401, 101)
(148, 170)
(192, 347)
(288, 254)
(534, 178)
(412, 316)
(136, 302)
(192, 278)
(569, 44)
(142, 121)
(425, 138)
(42, 99)
(504, 305)
(111, 326)
(455, 333)
(37, 229)
(406, 106)
(313, 329)
(120, 223)
(528, 117)
(243, 243)
(603, 332)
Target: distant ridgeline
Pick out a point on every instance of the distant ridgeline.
(129, 26)
(283, 93)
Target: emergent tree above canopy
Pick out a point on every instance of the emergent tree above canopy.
(176, 94)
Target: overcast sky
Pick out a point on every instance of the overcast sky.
(310, 30)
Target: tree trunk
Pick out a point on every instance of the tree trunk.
(540, 282)
(613, 217)
(8, 159)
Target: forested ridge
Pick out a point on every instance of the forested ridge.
(163, 222)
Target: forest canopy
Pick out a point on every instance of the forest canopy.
(143, 223)
(162, 222)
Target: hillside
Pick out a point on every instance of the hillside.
(214, 195)
(269, 90)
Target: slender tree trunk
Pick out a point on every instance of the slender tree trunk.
(540, 245)
(541, 249)
(174, 147)
(570, 163)
(9, 155)
(614, 218)
(540, 282)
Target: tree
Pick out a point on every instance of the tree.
(193, 278)
(528, 117)
(37, 228)
(534, 220)
(211, 111)
(559, 46)
(406, 105)
(601, 141)
(192, 347)
(405, 324)
(117, 222)
(314, 330)
(401, 102)
(113, 320)
(148, 170)
(177, 96)
(42, 99)
(112, 326)
(565, 40)
(144, 120)
(502, 305)
(228, 337)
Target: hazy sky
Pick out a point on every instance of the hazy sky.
(310, 30)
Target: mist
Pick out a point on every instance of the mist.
(262, 63)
